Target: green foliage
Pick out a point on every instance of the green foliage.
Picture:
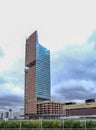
(1, 124)
(90, 124)
(51, 124)
(30, 124)
(47, 124)
(9, 124)
(68, 124)
(77, 124)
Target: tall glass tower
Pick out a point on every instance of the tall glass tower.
(37, 74)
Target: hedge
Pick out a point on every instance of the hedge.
(47, 124)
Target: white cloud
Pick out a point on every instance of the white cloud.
(74, 72)
(10, 89)
(58, 22)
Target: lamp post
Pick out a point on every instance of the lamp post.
(63, 124)
(41, 123)
(20, 124)
(85, 123)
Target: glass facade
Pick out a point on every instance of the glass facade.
(42, 72)
(37, 74)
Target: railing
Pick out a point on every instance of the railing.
(41, 124)
(47, 129)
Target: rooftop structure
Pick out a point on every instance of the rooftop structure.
(50, 108)
(83, 109)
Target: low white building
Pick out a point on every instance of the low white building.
(18, 114)
(11, 114)
(4, 115)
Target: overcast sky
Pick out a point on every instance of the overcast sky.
(67, 28)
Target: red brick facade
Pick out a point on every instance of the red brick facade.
(30, 75)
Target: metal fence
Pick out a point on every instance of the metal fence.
(47, 128)
(41, 125)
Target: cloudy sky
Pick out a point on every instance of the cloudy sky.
(67, 28)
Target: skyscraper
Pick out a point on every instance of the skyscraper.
(37, 74)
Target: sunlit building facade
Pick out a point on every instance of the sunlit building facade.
(82, 109)
(50, 108)
(37, 74)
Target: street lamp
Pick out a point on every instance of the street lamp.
(85, 123)
(63, 123)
